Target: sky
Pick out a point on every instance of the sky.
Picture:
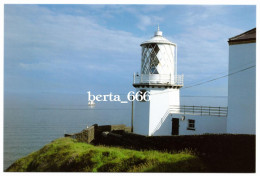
(80, 48)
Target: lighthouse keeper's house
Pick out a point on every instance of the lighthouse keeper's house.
(242, 84)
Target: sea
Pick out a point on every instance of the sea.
(32, 120)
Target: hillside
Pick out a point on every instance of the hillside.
(66, 154)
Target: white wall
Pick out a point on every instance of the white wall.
(203, 124)
(147, 115)
(141, 117)
(242, 89)
(160, 101)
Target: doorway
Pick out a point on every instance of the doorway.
(175, 126)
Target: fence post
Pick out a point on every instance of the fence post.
(219, 111)
(226, 112)
(184, 109)
(201, 110)
(209, 110)
(193, 109)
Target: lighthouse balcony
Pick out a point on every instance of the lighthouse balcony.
(165, 80)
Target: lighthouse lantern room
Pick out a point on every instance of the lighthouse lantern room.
(158, 76)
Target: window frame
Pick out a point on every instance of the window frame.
(191, 124)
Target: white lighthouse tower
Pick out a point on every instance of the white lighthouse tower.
(159, 77)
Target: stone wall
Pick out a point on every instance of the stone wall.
(86, 135)
(95, 131)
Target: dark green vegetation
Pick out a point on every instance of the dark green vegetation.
(197, 153)
(219, 152)
(66, 154)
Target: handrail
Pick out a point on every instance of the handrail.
(158, 79)
(161, 121)
(201, 110)
(192, 110)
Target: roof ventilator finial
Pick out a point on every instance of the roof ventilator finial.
(158, 32)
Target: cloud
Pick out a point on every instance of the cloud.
(141, 13)
(41, 44)
(203, 14)
(37, 66)
(105, 68)
(75, 45)
(147, 21)
(203, 50)
(38, 36)
(144, 22)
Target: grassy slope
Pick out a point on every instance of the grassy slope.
(65, 154)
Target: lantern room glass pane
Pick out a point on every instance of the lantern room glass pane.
(150, 60)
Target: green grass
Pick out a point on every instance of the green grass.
(66, 154)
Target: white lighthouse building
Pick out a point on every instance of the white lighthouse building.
(158, 76)
(163, 115)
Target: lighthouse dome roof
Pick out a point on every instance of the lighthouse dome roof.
(158, 38)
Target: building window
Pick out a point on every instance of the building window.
(191, 124)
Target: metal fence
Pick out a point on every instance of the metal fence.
(201, 110)
(158, 79)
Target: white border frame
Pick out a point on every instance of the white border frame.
(165, 2)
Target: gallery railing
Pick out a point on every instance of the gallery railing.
(168, 79)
